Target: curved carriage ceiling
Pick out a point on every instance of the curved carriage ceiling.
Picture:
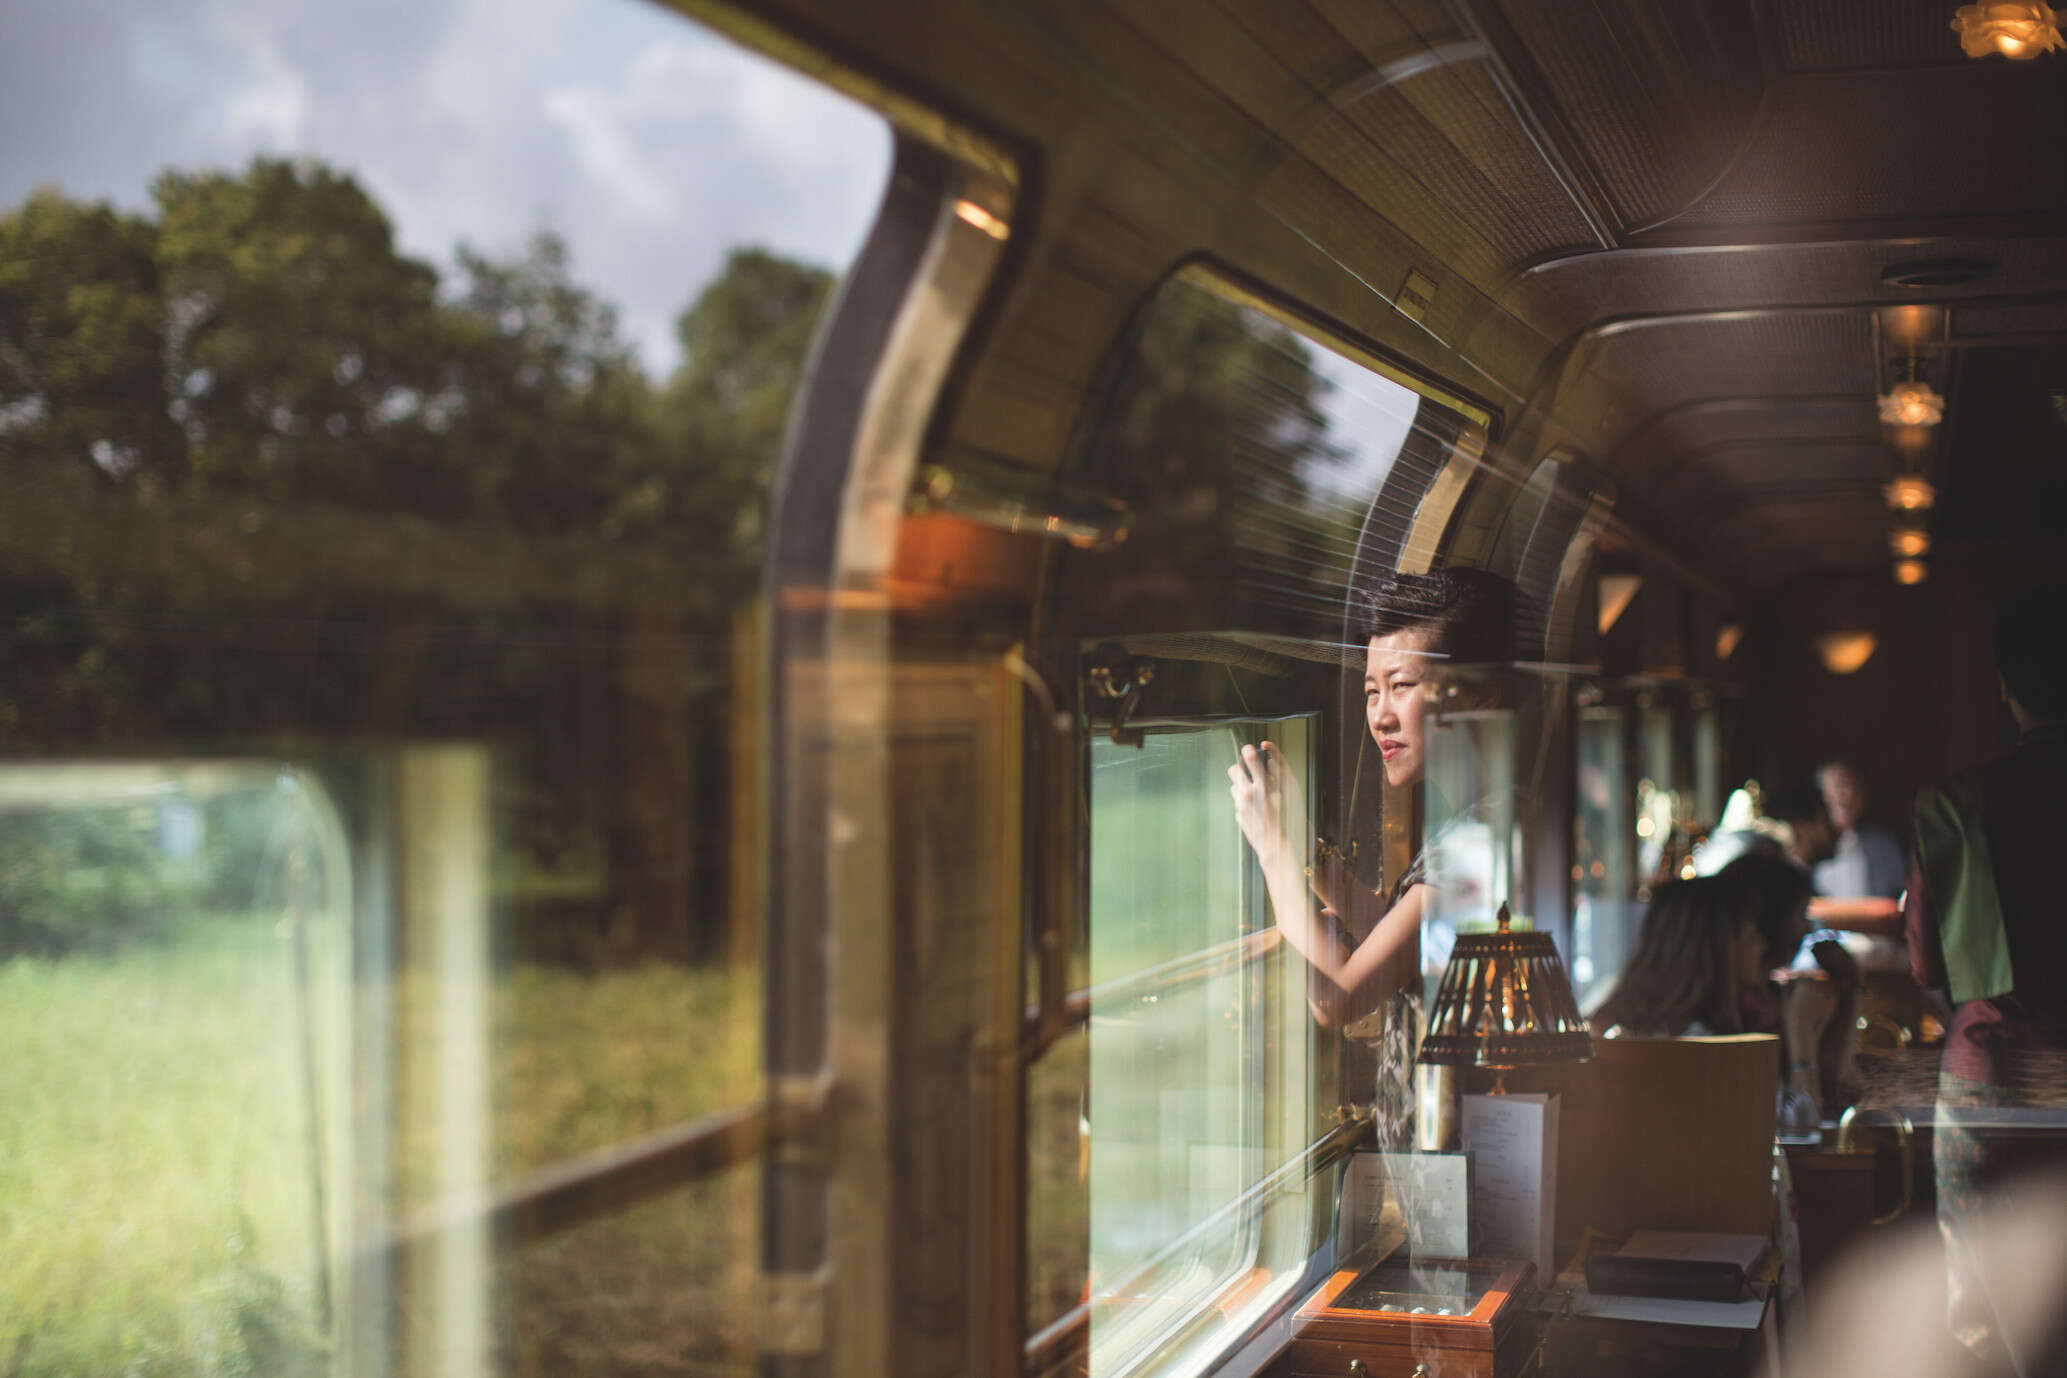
(1658, 227)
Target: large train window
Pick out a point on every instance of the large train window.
(389, 403)
(1187, 1095)
(1199, 1081)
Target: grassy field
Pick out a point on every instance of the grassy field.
(156, 1212)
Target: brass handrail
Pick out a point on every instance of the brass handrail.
(1905, 1139)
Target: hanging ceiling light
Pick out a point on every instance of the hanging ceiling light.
(1911, 571)
(1844, 652)
(1726, 639)
(1908, 542)
(2018, 29)
(1910, 493)
(1911, 404)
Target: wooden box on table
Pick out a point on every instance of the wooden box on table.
(1363, 1323)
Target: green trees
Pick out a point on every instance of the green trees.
(275, 487)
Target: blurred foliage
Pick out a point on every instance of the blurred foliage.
(88, 879)
(276, 487)
(1211, 435)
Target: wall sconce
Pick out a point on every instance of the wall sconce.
(1726, 640)
(1909, 542)
(1911, 571)
(1911, 404)
(1844, 652)
(2018, 29)
(1910, 493)
(1616, 591)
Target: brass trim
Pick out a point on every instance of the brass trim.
(921, 121)
(1212, 279)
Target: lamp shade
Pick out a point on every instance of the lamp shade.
(1505, 1001)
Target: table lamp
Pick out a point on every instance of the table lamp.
(1504, 1002)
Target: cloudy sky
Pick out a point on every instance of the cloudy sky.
(649, 144)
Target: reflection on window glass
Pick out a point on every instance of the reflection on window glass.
(1657, 795)
(1199, 1040)
(1249, 456)
(1600, 852)
(1707, 765)
(665, 1286)
(1469, 813)
(1058, 1169)
(388, 407)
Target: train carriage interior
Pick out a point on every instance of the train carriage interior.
(1069, 688)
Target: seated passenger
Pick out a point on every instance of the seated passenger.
(1699, 950)
(1817, 1019)
(1865, 861)
(1781, 891)
(1417, 628)
(1812, 845)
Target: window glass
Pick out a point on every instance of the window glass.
(1707, 764)
(1658, 801)
(1600, 853)
(1471, 846)
(1199, 1035)
(389, 400)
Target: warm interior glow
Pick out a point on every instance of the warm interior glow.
(1911, 404)
(1726, 640)
(1912, 443)
(1908, 542)
(1911, 571)
(2017, 29)
(1615, 592)
(1911, 325)
(1910, 493)
(982, 219)
(1844, 652)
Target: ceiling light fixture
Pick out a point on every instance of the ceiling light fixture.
(2018, 29)
(1911, 571)
(1911, 404)
(1908, 542)
(1844, 652)
(1726, 639)
(1910, 493)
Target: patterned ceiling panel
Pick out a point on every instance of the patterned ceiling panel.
(2042, 319)
(1827, 35)
(1668, 365)
(1458, 143)
(1860, 462)
(1664, 440)
(1978, 140)
(1658, 92)
(1561, 297)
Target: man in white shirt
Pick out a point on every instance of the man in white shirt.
(1868, 862)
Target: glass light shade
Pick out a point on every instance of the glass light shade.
(1616, 592)
(1726, 639)
(1911, 404)
(1844, 652)
(1505, 1001)
(1911, 571)
(2018, 29)
(1908, 542)
(1910, 493)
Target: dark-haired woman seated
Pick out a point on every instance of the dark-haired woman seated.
(1699, 951)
